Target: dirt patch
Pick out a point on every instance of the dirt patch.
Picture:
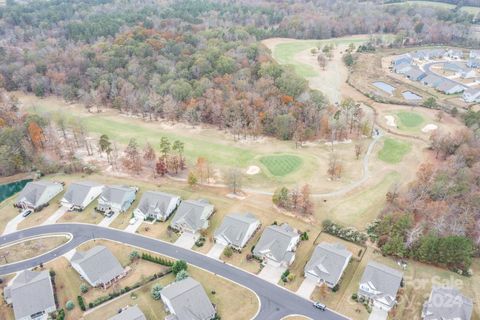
(391, 121)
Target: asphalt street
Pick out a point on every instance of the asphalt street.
(276, 302)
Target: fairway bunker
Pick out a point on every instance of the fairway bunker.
(253, 170)
(429, 127)
(390, 121)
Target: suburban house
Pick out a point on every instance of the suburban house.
(156, 205)
(402, 68)
(450, 87)
(472, 95)
(36, 194)
(404, 58)
(379, 285)
(236, 229)
(327, 264)
(473, 63)
(447, 303)
(116, 198)
(432, 80)
(31, 294)
(461, 69)
(277, 245)
(474, 54)
(98, 266)
(130, 313)
(454, 54)
(415, 74)
(187, 300)
(428, 54)
(80, 194)
(192, 216)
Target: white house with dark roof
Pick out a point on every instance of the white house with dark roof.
(130, 313)
(450, 87)
(402, 59)
(36, 194)
(472, 95)
(454, 54)
(415, 74)
(402, 68)
(187, 300)
(236, 229)
(192, 216)
(474, 54)
(98, 266)
(327, 264)
(432, 80)
(379, 285)
(156, 205)
(80, 194)
(116, 198)
(277, 245)
(447, 303)
(31, 294)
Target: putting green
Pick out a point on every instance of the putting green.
(393, 151)
(409, 120)
(281, 165)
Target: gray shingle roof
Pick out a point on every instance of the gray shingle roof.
(33, 191)
(131, 313)
(189, 300)
(192, 214)
(78, 191)
(274, 241)
(432, 80)
(234, 227)
(447, 303)
(415, 73)
(327, 262)
(99, 264)
(30, 292)
(447, 85)
(116, 194)
(383, 280)
(154, 201)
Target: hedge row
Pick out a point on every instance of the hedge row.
(158, 260)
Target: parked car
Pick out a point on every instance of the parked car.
(26, 212)
(132, 221)
(109, 213)
(320, 306)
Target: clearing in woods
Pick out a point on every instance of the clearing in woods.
(393, 150)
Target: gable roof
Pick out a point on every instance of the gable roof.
(30, 292)
(234, 227)
(415, 73)
(189, 300)
(383, 281)
(404, 58)
(33, 191)
(327, 261)
(154, 201)
(116, 194)
(402, 67)
(447, 85)
(192, 214)
(78, 191)
(131, 313)
(275, 241)
(447, 303)
(432, 80)
(98, 264)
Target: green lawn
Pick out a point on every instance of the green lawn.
(409, 120)
(281, 165)
(394, 150)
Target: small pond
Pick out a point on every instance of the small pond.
(384, 87)
(409, 95)
(9, 189)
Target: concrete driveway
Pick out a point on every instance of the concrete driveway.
(378, 314)
(132, 228)
(216, 251)
(271, 273)
(55, 216)
(186, 240)
(12, 224)
(306, 288)
(106, 220)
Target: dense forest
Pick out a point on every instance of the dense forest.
(198, 61)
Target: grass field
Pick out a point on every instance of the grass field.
(409, 120)
(30, 248)
(393, 150)
(281, 165)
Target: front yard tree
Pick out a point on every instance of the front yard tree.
(69, 305)
(178, 266)
(192, 179)
(83, 288)
(181, 275)
(234, 179)
(156, 292)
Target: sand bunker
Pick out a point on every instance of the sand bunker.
(429, 127)
(253, 170)
(391, 121)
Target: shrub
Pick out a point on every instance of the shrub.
(81, 303)
(285, 275)
(52, 273)
(183, 274)
(69, 305)
(156, 292)
(61, 314)
(83, 288)
(178, 266)
(354, 296)
(347, 233)
(336, 287)
(134, 255)
(158, 260)
(227, 252)
(200, 242)
(304, 236)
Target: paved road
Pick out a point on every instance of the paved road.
(427, 66)
(276, 302)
